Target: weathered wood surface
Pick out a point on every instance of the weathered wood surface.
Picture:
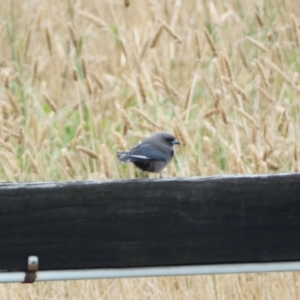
(137, 223)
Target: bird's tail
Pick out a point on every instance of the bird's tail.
(121, 154)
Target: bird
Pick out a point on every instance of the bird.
(152, 154)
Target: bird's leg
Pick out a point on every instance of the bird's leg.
(160, 175)
(144, 175)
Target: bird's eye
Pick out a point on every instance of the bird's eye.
(169, 140)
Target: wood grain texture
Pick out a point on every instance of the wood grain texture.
(136, 223)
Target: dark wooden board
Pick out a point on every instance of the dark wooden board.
(137, 223)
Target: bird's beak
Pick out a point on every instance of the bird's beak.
(175, 142)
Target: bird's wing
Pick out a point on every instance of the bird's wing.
(146, 152)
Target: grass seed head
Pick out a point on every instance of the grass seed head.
(210, 42)
(88, 151)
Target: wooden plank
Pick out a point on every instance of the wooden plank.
(138, 223)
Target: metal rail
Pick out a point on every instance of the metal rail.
(8, 277)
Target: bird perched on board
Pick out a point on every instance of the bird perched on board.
(152, 154)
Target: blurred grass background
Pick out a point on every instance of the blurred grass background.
(80, 80)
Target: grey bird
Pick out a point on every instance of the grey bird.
(152, 154)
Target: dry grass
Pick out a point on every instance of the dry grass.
(221, 287)
(82, 79)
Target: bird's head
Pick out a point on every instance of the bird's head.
(167, 138)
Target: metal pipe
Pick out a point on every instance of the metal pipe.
(6, 277)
